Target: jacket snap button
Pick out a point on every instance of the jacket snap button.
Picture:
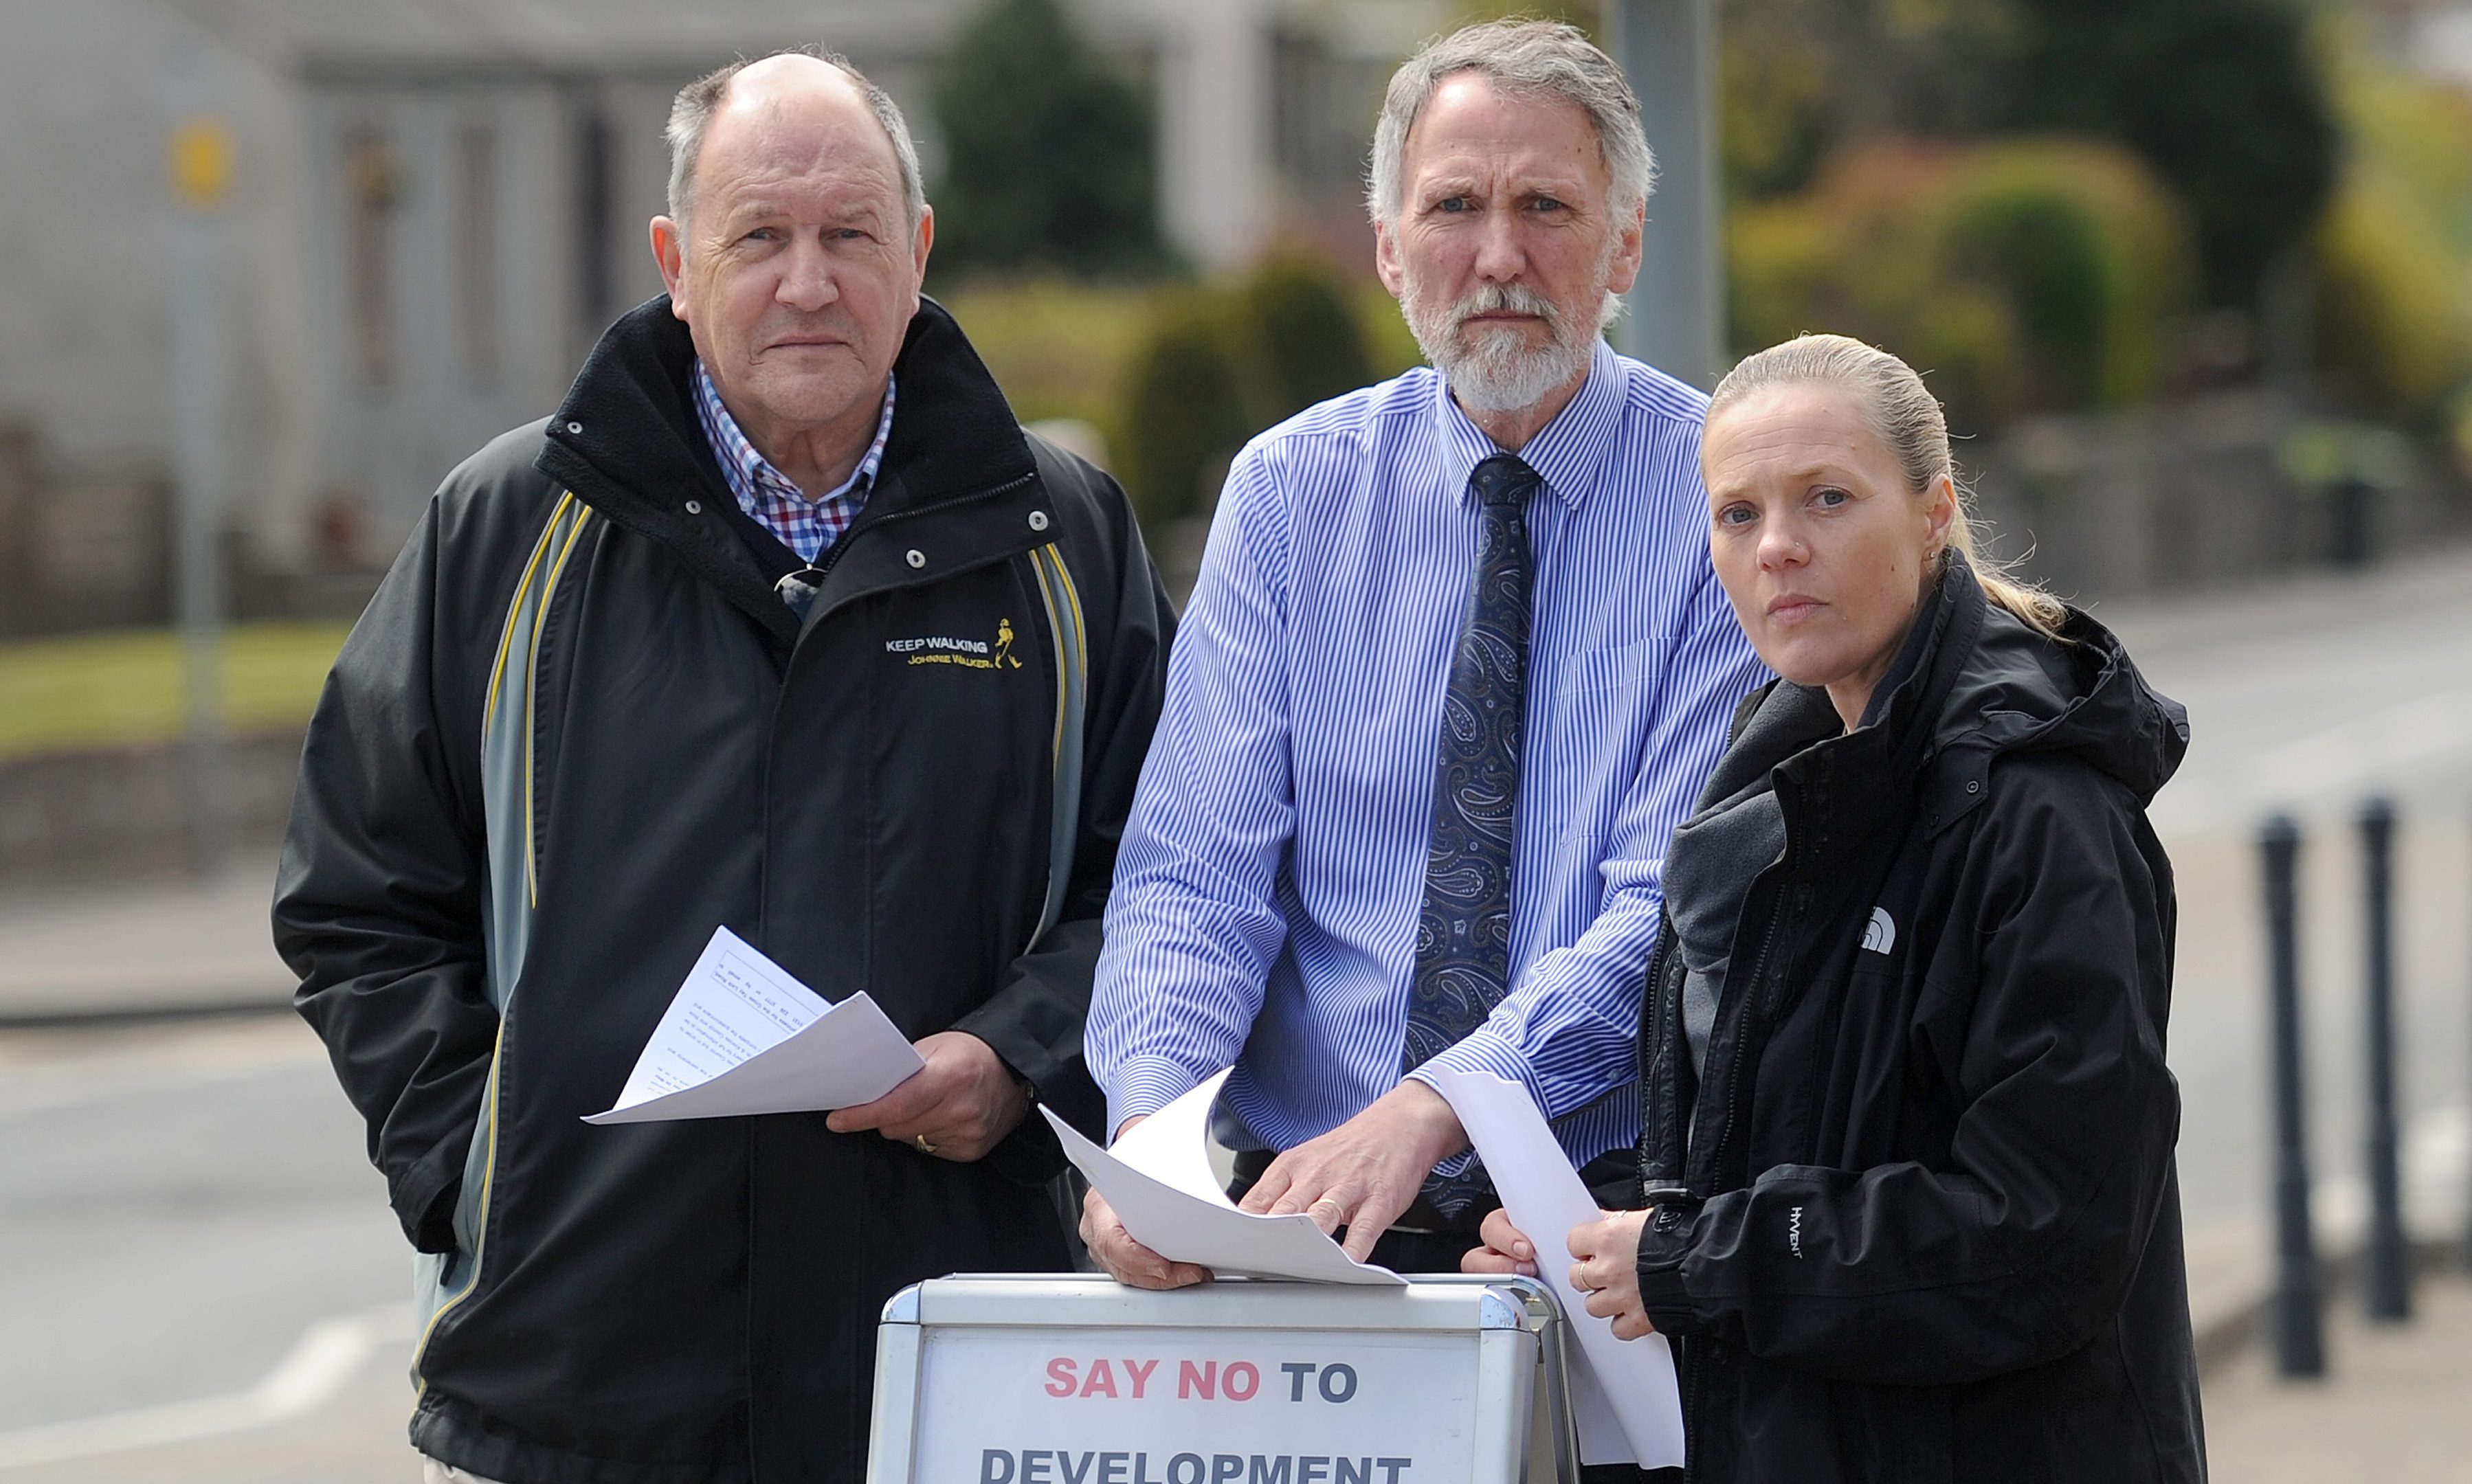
(695, 508)
(1039, 520)
(916, 557)
(575, 427)
(1974, 785)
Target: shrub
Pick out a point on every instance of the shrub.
(2019, 275)
(1221, 364)
(1189, 404)
(2389, 303)
(2395, 249)
(1057, 347)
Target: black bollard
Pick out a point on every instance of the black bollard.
(2299, 1337)
(2385, 1273)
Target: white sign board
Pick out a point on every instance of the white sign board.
(1069, 1379)
(1196, 1407)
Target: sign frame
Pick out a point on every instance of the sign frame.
(1523, 1431)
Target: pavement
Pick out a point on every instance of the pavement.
(202, 1282)
(81, 950)
(2396, 1405)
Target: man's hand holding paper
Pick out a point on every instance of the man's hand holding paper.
(957, 1106)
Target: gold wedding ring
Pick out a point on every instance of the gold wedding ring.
(920, 1139)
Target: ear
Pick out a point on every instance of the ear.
(669, 251)
(919, 249)
(1939, 517)
(1624, 271)
(1386, 257)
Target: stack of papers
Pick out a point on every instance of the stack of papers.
(1159, 1180)
(743, 1037)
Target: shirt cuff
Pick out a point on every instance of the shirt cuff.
(1486, 1051)
(1144, 1085)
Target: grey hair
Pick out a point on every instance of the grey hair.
(1910, 421)
(692, 111)
(1527, 59)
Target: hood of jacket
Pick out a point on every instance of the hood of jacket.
(1971, 683)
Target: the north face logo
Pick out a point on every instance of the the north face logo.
(1880, 934)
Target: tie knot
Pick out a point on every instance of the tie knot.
(1505, 479)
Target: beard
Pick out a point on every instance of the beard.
(1491, 369)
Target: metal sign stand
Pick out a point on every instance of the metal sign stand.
(1076, 1380)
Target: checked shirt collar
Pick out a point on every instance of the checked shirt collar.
(808, 527)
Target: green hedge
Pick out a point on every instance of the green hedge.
(1176, 378)
(2019, 275)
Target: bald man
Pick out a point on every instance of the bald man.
(782, 625)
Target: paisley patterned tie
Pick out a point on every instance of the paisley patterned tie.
(1463, 931)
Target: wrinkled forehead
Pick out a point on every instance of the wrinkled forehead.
(1476, 123)
(815, 138)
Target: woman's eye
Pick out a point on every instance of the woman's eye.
(1830, 499)
(1734, 515)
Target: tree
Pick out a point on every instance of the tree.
(2220, 98)
(1048, 153)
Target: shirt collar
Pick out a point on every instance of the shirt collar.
(749, 473)
(1567, 451)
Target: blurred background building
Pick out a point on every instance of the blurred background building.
(439, 206)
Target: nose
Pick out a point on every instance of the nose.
(806, 282)
(1500, 256)
(1782, 545)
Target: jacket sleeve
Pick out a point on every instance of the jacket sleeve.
(1035, 1016)
(379, 898)
(2024, 1246)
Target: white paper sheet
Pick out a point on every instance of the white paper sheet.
(1624, 1395)
(743, 1037)
(1159, 1178)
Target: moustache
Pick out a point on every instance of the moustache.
(1511, 298)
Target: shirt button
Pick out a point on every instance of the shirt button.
(695, 508)
(916, 557)
(1039, 520)
(575, 427)
(1974, 786)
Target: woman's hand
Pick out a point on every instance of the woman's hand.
(1607, 1270)
(1505, 1249)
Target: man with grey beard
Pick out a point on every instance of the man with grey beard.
(1455, 668)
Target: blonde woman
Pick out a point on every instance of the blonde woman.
(1908, 1204)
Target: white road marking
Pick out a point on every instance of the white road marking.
(327, 1356)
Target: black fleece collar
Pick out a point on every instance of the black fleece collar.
(629, 418)
(626, 441)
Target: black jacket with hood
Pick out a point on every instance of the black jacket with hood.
(575, 731)
(1919, 1220)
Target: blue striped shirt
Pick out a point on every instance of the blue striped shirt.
(1266, 896)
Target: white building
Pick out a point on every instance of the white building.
(440, 204)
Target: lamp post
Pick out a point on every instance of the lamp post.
(202, 162)
(1676, 323)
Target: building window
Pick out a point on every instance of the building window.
(376, 185)
(476, 232)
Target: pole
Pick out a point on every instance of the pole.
(201, 160)
(2300, 1340)
(2387, 1275)
(1668, 48)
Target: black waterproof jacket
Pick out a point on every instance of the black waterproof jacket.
(577, 730)
(1919, 1220)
